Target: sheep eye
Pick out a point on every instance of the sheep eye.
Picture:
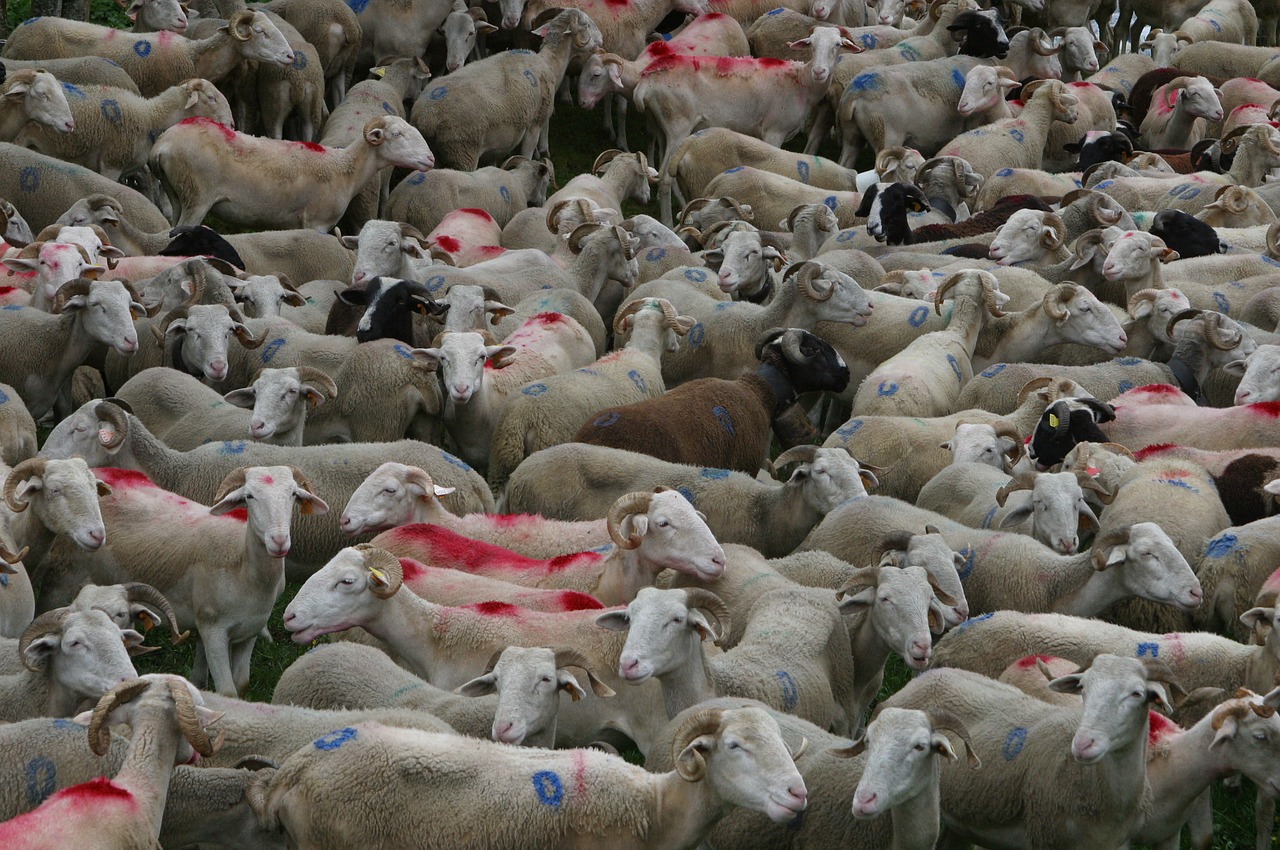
(920, 748)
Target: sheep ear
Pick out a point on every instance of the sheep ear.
(942, 746)
(698, 622)
(1016, 515)
(1070, 684)
(193, 97)
(946, 445)
(1255, 617)
(41, 647)
(103, 488)
(244, 397)
(314, 396)
(479, 686)
(15, 264)
(309, 504)
(1236, 367)
(1087, 516)
(860, 601)
(441, 491)
(614, 621)
(84, 718)
(937, 617)
(350, 242)
(568, 684)
(229, 502)
(1225, 732)
(634, 524)
(1272, 487)
(1117, 555)
(375, 136)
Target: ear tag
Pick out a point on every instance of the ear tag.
(148, 623)
(1053, 421)
(378, 72)
(1093, 471)
(379, 576)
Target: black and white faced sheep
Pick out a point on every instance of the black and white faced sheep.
(885, 206)
(725, 424)
(389, 308)
(981, 33)
(1067, 421)
(1187, 235)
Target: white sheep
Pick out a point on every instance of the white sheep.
(1017, 142)
(1175, 106)
(46, 499)
(35, 97)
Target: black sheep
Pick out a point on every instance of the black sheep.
(981, 34)
(1096, 147)
(388, 308)
(201, 241)
(1186, 234)
(885, 207)
(1066, 422)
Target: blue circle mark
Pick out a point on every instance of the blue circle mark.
(357, 6)
(74, 91)
(654, 254)
(299, 60)
(886, 389)
(1014, 743)
(726, 419)
(992, 371)
(608, 419)
(866, 82)
(549, 788)
(1128, 361)
(438, 92)
(868, 40)
(232, 447)
(1220, 546)
(734, 170)
(1123, 387)
(850, 428)
(687, 493)
(1224, 306)
(29, 179)
(42, 779)
(505, 193)
(1005, 172)
(844, 235)
(142, 48)
(714, 474)
(831, 202)
(388, 108)
(957, 77)
(528, 75)
(417, 179)
(336, 739)
(535, 389)
(434, 282)
(271, 349)
(955, 367)
(695, 275)
(918, 316)
(456, 461)
(966, 569)
(1148, 650)
(1017, 135)
(403, 350)
(790, 692)
(802, 169)
(973, 620)
(69, 725)
(111, 111)
(638, 380)
(991, 514)
(696, 334)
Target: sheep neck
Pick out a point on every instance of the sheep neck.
(683, 812)
(776, 312)
(143, 452)
(1015, 337)
(405, 622)
(148, 763)
(805, 243)
(28, 529)
(649, 337)
(1250, 167)
(67, 345)
(915, 820)
(1038, 115)
(618, 179)
(691, 682)
(13, 117)
(397, 81)
(779, 386)
(1263, 664)
(1179, 772)
(966, 323)
(871, 652)
(1076, 588)
(1177, 133)
(557, 50)
(216, 56)
(590, 270)
(166, 109)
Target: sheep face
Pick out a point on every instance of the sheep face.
(827, 42)
(1249, 730)
(904, 612)
(338, 596)
(114, 600)
(389, 307)
(829, 480)
(87, 655)
(264, 296)
(979, 443)
(158, 15)
(400, 143)
(83, 434)
(744, 261)
(1117, 692)
(1152, 566)
(674, 536)
(1132, 255)
(461, 358)
(106, 310)
(981, 34)
(901, 746)
(1056, 508)
(269, 493)
(260, 40)
(1065, 423)
(931, 553)
(818, 365)
(67, 496)
(205, 101)
(1080, 51)
(1023, 236)
(43, 100)
(1259, 375)
(1156, 307)
(748, 764)
(1200, 100)
(386, 498)
(383, 249)
(278, 399)
(1087, 321)
(888, 13)
(597, 80)
(55, 263)
(203, 338)
(460, 31)
(663, 632)
(984, 87)
(1187, 235)
(653, 233)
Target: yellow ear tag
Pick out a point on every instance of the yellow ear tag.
(146, 620)
(1053, 421)
(379, 576)
(380, 71)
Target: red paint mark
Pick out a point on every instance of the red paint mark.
(1082, 85)
(509, 520)
(1030, 661)
(411, 570)
(238, 514)
(580, 772)
(1176, 473)
(1018, 103)
(496, 609)
(5, 290)
(617, 3)
(1272, 583)
(122, 478)
(1161, 728)
(311, 146)
(658, 49)
(491, 251)
(1152, 451)
(576, 600)
(1253, 80)
(164, 37)
(477, 213)
(267, 479)
(227, 132)
(1156, 389)
(94, 790)
(545, 319)
(723, 65)
(449, 244)
(438, 546)
(1266, 408)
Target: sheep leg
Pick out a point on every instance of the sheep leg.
(674, 137)
(823, 120)
(200, 667)
(1264, 819)
(217, 654)
(241, 653)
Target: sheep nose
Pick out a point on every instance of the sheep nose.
(280, 542)
(800, 794)
(1067, 545)
(98, 536)
(1242, 396)
(866, 799)
(359, 277)
(347, 523)
(290, 616)
(628, 667)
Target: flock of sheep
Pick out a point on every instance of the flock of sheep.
(518, 449)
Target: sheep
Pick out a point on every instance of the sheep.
(1080, 50)
(86, 313)
(1187, 235)
(763, 779)
(614, 177)
(199, 160)
(422, 200)
(389, 309)
(266, 296)
(566, 301)
(334, 30)
(449, 116)
(815, 685)
(747, 260)
(156, 61)
(168, 719)
(1235, 208)
(925, 368)
(1014, 571)
(530, 423)
(1174, 110)
(108, 436)
(546, 344)
(34, 96)
(650, 531)
(1017, 142)
(447, 646)
(1256, 372)
(1123, 71)
(772, 196)
(17, 428)
(977, 495)
(1238, 571)
(1139, 425)
(793, 362)
(1032, 752)
(67, 656)
(50, 499)
(84, 70)
(892, 782)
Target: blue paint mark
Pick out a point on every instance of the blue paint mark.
(802, 169)
(417, 179)
(549, 788)
(725, 418)
(1269, 261)
(790, 692)
(1178, 483)
(608, 419)
(696, 334)
(992, 371)
(687, 493)
(142, 48)
(528, 75)
(29, 179)
(957, 78)
(1216, 26)
(74, 91)
(991, 514)
(68, 725)
(918, 316)
(1105, 184)
(777, 11)
(1123, 387)
(388, 108)
(1005, 172)
(535, 389)
(886, 389)
(1128, 361)
(336, 739)
(4, 581)
(1014, 743)
(357, 6)
(1184, 191)
(520, 52)
(721, 306)
(12, 307)
(909, 53)
(830, 202)
(4, 397)
(973, 620)
(966, 569)
(31, 20)
(434, 282)
(456, 461)
(844, 235)
(638, 380)
(867, 82)
(271, 349)
(438, 92)
(1017, 135)
(42, 779)
(505, 193)
(695, 275)
(1220, 546)
(734, 170)
(591, 372)
(850, 428)
(403, 350)
(299, 60)
(654, 254)
(955, 366)
(232, 447)
(714, 474)
(1148, 650)
(111, 111)
(1224, 306)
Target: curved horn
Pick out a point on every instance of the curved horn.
(1024, 481)
(1005, 428)
(1105, 541)
(604, 159)
(1053, 302)
(626, 505)
(704, 722)
(943, 719)
(1088, 482)
(312, 375)
(383, 566)
(700, 597)
(136, 591)
(28, 468)
(581, 232)
(795, 454)
(116, 416)
(189, 723)
(99, 733)
(1053, 241)
(1213, 333)
(804, 281)
(1184, 315)
(234, 480)
(79, 286)
(862, 577)
(568, 656)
